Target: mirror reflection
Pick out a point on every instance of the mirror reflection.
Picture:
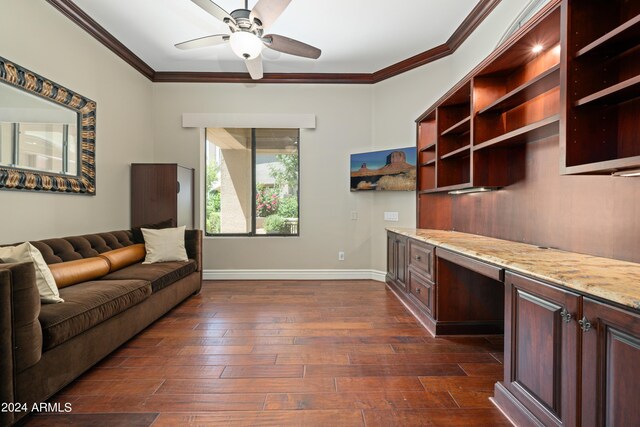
(37, 134)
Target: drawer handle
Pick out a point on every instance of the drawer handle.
(418, 257)
(585, 325)
(566, 316)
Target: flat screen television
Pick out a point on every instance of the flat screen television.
(387, 170)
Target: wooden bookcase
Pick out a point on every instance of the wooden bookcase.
(453, 146)
(601, 45)
(481, 126)
(427, 152)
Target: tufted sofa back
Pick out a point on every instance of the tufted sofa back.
(77, 247)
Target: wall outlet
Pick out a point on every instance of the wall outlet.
(340, 255)
(354, 215)
(391, 216)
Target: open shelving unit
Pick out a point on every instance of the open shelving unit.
(601, 98)
(453, 143)
(427, 152)
(479, 129)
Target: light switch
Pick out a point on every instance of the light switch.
(391, 216)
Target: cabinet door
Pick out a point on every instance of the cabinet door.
(391, 256)
(401, 261)
(541, 356)
(610, 366)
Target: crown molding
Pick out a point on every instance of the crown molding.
(87, 23)
(84, 21)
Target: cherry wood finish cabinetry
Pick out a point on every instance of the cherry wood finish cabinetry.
(397, 260)
(601, 49)
(480, 127)
(449, 292)
(568, 359)
(162, 191)
(610, 362)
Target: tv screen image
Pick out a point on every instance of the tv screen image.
(387, 170)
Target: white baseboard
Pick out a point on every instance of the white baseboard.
(294, 275)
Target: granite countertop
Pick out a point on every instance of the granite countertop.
(610, 279)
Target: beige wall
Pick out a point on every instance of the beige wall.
(343, 114)
(36, 36)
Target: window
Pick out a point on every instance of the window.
(251, 184)
(47, 147)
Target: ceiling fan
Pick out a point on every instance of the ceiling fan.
(247, 28)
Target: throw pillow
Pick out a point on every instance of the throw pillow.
(26, 252)
(137, 233)
(164, 245)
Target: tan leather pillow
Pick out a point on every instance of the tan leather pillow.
(80, 270)
(123, 257)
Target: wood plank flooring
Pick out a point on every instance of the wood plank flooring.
(338, 353)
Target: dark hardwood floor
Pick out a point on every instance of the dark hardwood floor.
(340, 353)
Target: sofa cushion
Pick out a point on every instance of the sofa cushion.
(77, 271)
(26, 252)
(86, 305)
(160, 275)
(123, 257)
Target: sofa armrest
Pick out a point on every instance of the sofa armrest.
(193, 245)
(20, 331)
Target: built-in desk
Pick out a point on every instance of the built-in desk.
(571, 323)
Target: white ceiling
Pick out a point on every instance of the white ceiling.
(356, 36)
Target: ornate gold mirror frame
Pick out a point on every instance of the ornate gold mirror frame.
(25, 179)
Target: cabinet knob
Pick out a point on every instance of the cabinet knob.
(585, 325)
(566, 316)
(418, 257)
(418, 290)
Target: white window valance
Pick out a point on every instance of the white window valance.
(212, 120)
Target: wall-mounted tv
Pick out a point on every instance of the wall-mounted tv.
(388, 170)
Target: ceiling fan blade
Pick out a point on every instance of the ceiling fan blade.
(204, 42)
(214, 10)
(267, 11)
(291, 46)
(254, 66)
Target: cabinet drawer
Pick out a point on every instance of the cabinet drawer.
(423, 290)
(421, 258)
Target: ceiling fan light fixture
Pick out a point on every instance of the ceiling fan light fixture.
(246, 45)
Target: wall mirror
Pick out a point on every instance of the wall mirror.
(47, 134)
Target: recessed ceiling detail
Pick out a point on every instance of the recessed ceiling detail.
(360, 42)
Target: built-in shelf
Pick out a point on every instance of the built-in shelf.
(460, 128)
(532, 88)
(429, 147)
(623, 36)
(538, 130)
(605, 166)
(429, 163)
(460, 152)
(617, 93)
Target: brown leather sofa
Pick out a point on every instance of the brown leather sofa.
(45, 347)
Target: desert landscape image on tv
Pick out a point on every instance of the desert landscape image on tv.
(388, 170)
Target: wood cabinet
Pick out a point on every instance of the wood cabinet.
(449, 292)
(162, 191)
(541, 351)
(475, 135)
(610, 362)
(397, 260)
(568, 359)
(601, 49)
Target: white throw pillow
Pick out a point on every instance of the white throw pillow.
(166, 244)
(26, 252)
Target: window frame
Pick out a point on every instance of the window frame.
(252, 233)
